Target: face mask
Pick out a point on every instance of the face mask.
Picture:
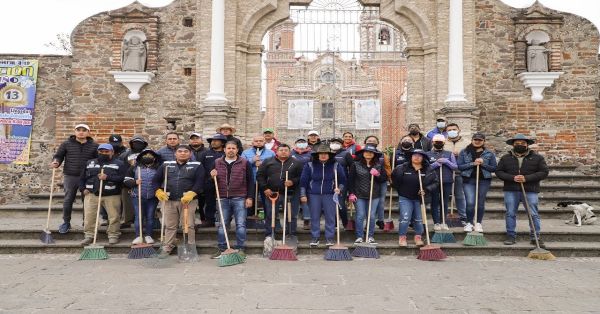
(103, 158)
(441, 125)
(302, 145)
(407, 145)
(258, 147)
(335, 146)
(137, 146)
(414, 132)
(438, 145)
(452, 134)
(147, 160)
(520, 149)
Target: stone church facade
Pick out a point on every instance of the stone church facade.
(179, 41)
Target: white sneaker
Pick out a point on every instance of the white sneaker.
(445, 227)
(437, 227)
(137, 240)
(468, 227)
(478, 227)
(358, 240)
(372, 241)
(149, 239)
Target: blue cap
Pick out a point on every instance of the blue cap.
(105, 146)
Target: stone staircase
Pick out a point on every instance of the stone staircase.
(21, 224)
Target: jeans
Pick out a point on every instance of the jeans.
(210, 207)
(511, 201)
(410, 210)
(382, 189)
(436, 205)
(322, 203)
(148, 210)
(233, 207)
(362, 207)
(469, 187)
(71, 185)
(459, 197)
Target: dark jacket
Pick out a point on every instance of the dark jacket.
(449, 167)
(534, 169)
(345, 159)
(181, 178)
(207, 159)
(75, 155)
(115, 171)
(167, 153)
(359, 181)
(235, 179)
(271, 174)
(402, 156)
(400, 180)
(466, 166)
(422, 143)
(319, 178)
(147, 172)
(197, 152)
(129, 156)
(305, 156)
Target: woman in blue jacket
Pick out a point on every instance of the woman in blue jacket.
(468, 159)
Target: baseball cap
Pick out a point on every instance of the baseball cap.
(115, 138)
(478, 136)
(300, 139)
(268, 130)
(105, 146)
(438, 138)
(440, 118)
(313, 132)
(81, 125)
(196, 134)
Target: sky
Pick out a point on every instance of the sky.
(31, 24)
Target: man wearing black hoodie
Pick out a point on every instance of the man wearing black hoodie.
(137, 144)
(207, 160)
(74, 152)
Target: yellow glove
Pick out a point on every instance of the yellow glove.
(188, 197)
(161, 195)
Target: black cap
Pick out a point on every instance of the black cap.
(478, 136)
(115, 138)
(413, 124)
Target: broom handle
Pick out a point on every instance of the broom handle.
(423, 212)
(337, 209)
(526, 203)
(476, 194)
(185, 220)
(98, 209)
(391, 188)
(50, 200)
(284, 207)
(255, 198)
(221, 212)
(452, 199)
(369, 213)
(442, 208)
(140, 202)
(162, 208)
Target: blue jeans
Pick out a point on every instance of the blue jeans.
(322, 203)
(379, 191)
(459, 197)
(410, 210)
(148, 210)
(511, 201)
(362, 207)
(469, 188)
(233, 207)
(436, 205)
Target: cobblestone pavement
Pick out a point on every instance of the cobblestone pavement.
(61, 284)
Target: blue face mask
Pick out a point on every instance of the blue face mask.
(452, 134)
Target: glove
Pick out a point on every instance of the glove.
(188, 197)
(352, 198)
(374, 172)
(161, 195)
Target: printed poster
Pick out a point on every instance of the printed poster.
(367, 114)
(300, 114)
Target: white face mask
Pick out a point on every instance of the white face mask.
(335, 146)
(441, 125)
(302, 145)
(452, 134)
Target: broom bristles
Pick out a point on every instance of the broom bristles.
(93, 253)
(443, 236)
(475, 239)
(365, 250)
(338, 253)
(139, 251)
(231, 257)
(431, 253)
(453, 220)
(541, 254)
(283, 253)
(46, 237)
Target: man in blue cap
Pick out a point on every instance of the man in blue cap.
(521, 166)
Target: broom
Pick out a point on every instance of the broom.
(538, 252)
(444, 235)
(428, 252)
(453, 219)
(230, 256)
(95, 252)
(337, 252)
(475, 238)
(367, 249)
(162, 212)
(284, 252)
(254, 221)
(142, 250)
(388, 225)
(46, 235)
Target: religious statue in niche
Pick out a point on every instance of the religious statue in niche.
(537, 57)
(384, 36)
(133, 55)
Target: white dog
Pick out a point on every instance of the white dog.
(582, 213)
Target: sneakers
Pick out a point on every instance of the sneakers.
(306, 225)
(149, 239)
(380, 224)
(542, 245)
(137, 240)
(463, 223)
(402, 241)
(358, 241)
(478, 228)
(468, 227)
(64, 228)
(445, 227)
(87, 241)
(510, 240)
(314, 242)
(329, 243)
(372, 241)
(217, 254)
(437, 227)
(418, 241)
(113, 240)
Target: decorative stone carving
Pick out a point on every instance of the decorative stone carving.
(133, 81)
(537, 82)
(133, 55)
(537, 57)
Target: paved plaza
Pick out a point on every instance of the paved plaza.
(62, 284)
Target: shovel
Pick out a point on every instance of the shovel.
(270, 243)
(186, 251)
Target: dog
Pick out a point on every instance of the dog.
(582, 212)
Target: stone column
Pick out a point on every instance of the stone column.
(456, 91)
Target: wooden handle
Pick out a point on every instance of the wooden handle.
(476, 194)
(162, 208)
(50, 200)
(221, 212)
(337, 209)
(423, 212)
(98, 209)
(284, 207)
(442, 207)
(369, 212)
(392, 188)
(140, 203)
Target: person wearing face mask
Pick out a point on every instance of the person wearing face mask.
(456, 143)
(345, 159)
(303, 153)
(404, 150)
(126, 207)
(440, 128)
(421, 141)
(207, 160)
(113, 175)
(381, 187)
(524, 166)
(136, 144)
(142, 174)
(444, 160)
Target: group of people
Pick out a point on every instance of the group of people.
(319, 178)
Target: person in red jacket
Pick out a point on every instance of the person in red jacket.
(350, 144)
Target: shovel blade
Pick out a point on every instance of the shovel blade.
(187, 253)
